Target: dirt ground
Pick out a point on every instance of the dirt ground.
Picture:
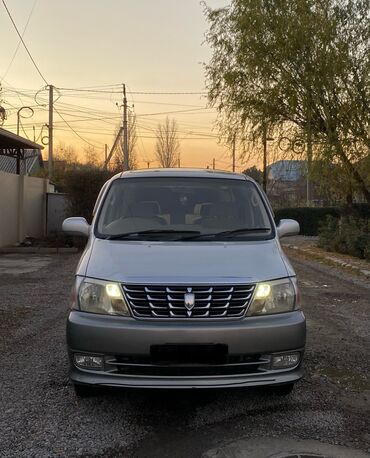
(41, 417)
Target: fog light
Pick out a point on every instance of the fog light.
(285, 361)
(88, 361)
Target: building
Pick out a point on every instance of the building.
(19, 155)
(287, 183)
(22, 197)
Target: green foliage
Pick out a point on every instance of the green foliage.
(254, 173)
(82, 186)
(347, 235)
(311, 219)
(298, 62)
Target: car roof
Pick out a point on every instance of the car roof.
(181, 172)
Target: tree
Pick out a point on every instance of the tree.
(298, 62)
(167, 147)
(254, 173)
(91, 156)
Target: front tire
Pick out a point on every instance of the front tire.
(85, 391)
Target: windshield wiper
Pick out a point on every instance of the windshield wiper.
(216, 235)
(149, 231)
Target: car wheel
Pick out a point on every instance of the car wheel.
(282, 390)
(85, 391)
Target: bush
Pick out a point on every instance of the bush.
(82, 187)
(347, 235)
(311, 218)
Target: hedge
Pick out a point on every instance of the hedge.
(82, 187)
(348, 235)
(310, 218)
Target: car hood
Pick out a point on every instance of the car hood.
(186, 262)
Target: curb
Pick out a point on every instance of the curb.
(332, 259)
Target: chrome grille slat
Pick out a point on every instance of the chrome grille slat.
(168, 301)
(152, 298)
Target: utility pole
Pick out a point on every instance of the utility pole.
(116, 142)
(105, 156)
(309, 160)
(264, 142)
(125, 131)
(214, 163)
(50, 126)
(234, 152)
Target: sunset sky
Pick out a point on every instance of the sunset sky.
(151, 45)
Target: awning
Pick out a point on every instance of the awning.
(12, 145)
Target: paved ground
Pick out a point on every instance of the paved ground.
(41, 417)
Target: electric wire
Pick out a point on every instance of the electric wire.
(73, 130)
(19, 42)
(146, 122)
(24, 44)
(133, 92)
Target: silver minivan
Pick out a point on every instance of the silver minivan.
(183, 284)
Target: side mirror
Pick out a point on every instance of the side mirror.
(76, 226)
(287, 227)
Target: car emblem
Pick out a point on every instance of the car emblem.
(189, 300)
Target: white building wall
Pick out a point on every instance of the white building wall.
(21, 217)
(9, 196)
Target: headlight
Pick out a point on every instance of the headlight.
(276, 296)
(98, 296)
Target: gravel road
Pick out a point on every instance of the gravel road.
(41, 417)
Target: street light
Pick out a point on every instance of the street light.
(19, 115)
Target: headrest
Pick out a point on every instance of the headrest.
(202, 209)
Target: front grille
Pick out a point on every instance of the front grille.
(218, 301)
(144, 366)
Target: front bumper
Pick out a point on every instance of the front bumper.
(252, 337)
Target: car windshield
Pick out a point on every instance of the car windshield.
(174, 208)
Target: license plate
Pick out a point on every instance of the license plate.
(189, 354)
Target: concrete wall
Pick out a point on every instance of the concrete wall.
(9, 196)
(34, 206)
(22, 207)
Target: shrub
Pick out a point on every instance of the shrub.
(367, 252)
(327, 229)
(82, 187)
(309, 218)
(348, 235)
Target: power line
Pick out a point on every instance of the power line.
(169, 93)
(101, 91)
(19, 42)
(24, 44)
(132, 92)
(185, 132)
(99, 86)
(74, 131)
(173, 112)
(104, 133)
